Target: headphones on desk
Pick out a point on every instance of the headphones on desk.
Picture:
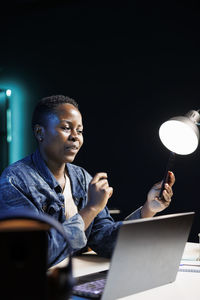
(59, 280)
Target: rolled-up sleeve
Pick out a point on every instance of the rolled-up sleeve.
(58, 248)
(134, 215)
(103, 234)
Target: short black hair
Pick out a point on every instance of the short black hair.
(47, 106)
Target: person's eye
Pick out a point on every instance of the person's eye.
(67, 128)
(80, 131)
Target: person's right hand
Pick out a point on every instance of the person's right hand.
(99, 192)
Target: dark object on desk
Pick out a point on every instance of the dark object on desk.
(60, 283)
(23, 267)
(23, 263)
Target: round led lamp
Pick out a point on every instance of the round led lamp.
(181, 134)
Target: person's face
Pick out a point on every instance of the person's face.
(62, 135)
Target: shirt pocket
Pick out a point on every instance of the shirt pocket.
(47, 201)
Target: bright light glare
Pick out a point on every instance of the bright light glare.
(178, 137)
(8, 93)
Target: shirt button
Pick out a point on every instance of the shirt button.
(44, 207)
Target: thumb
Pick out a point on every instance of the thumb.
(110, 191)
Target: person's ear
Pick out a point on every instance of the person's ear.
(39, 133)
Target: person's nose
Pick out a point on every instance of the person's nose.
(73, 135)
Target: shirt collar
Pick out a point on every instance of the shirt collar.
(44, 170)
(75, 175)
(77, 178)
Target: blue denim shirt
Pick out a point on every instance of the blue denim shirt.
(30, 184)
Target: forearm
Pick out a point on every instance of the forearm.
(146, 212)
(88, 214)
(142, 212)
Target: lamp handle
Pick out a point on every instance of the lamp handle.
(166, 175)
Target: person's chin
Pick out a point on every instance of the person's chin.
(69, 158)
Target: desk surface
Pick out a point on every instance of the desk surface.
(186, 285)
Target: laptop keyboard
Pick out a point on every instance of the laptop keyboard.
(91, 288)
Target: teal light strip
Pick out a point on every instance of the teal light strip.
(9, 128)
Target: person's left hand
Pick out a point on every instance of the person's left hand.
(153, 204)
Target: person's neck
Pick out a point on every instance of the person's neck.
(56, 168)
(59, 173)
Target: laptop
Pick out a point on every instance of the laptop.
(147, 255)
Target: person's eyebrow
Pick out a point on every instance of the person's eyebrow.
(69, 122)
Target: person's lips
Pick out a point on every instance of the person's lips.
(72, 148)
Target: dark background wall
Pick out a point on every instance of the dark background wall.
(131, 65)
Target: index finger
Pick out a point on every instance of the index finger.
(99, 176)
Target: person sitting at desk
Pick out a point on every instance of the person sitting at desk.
(47, 182)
